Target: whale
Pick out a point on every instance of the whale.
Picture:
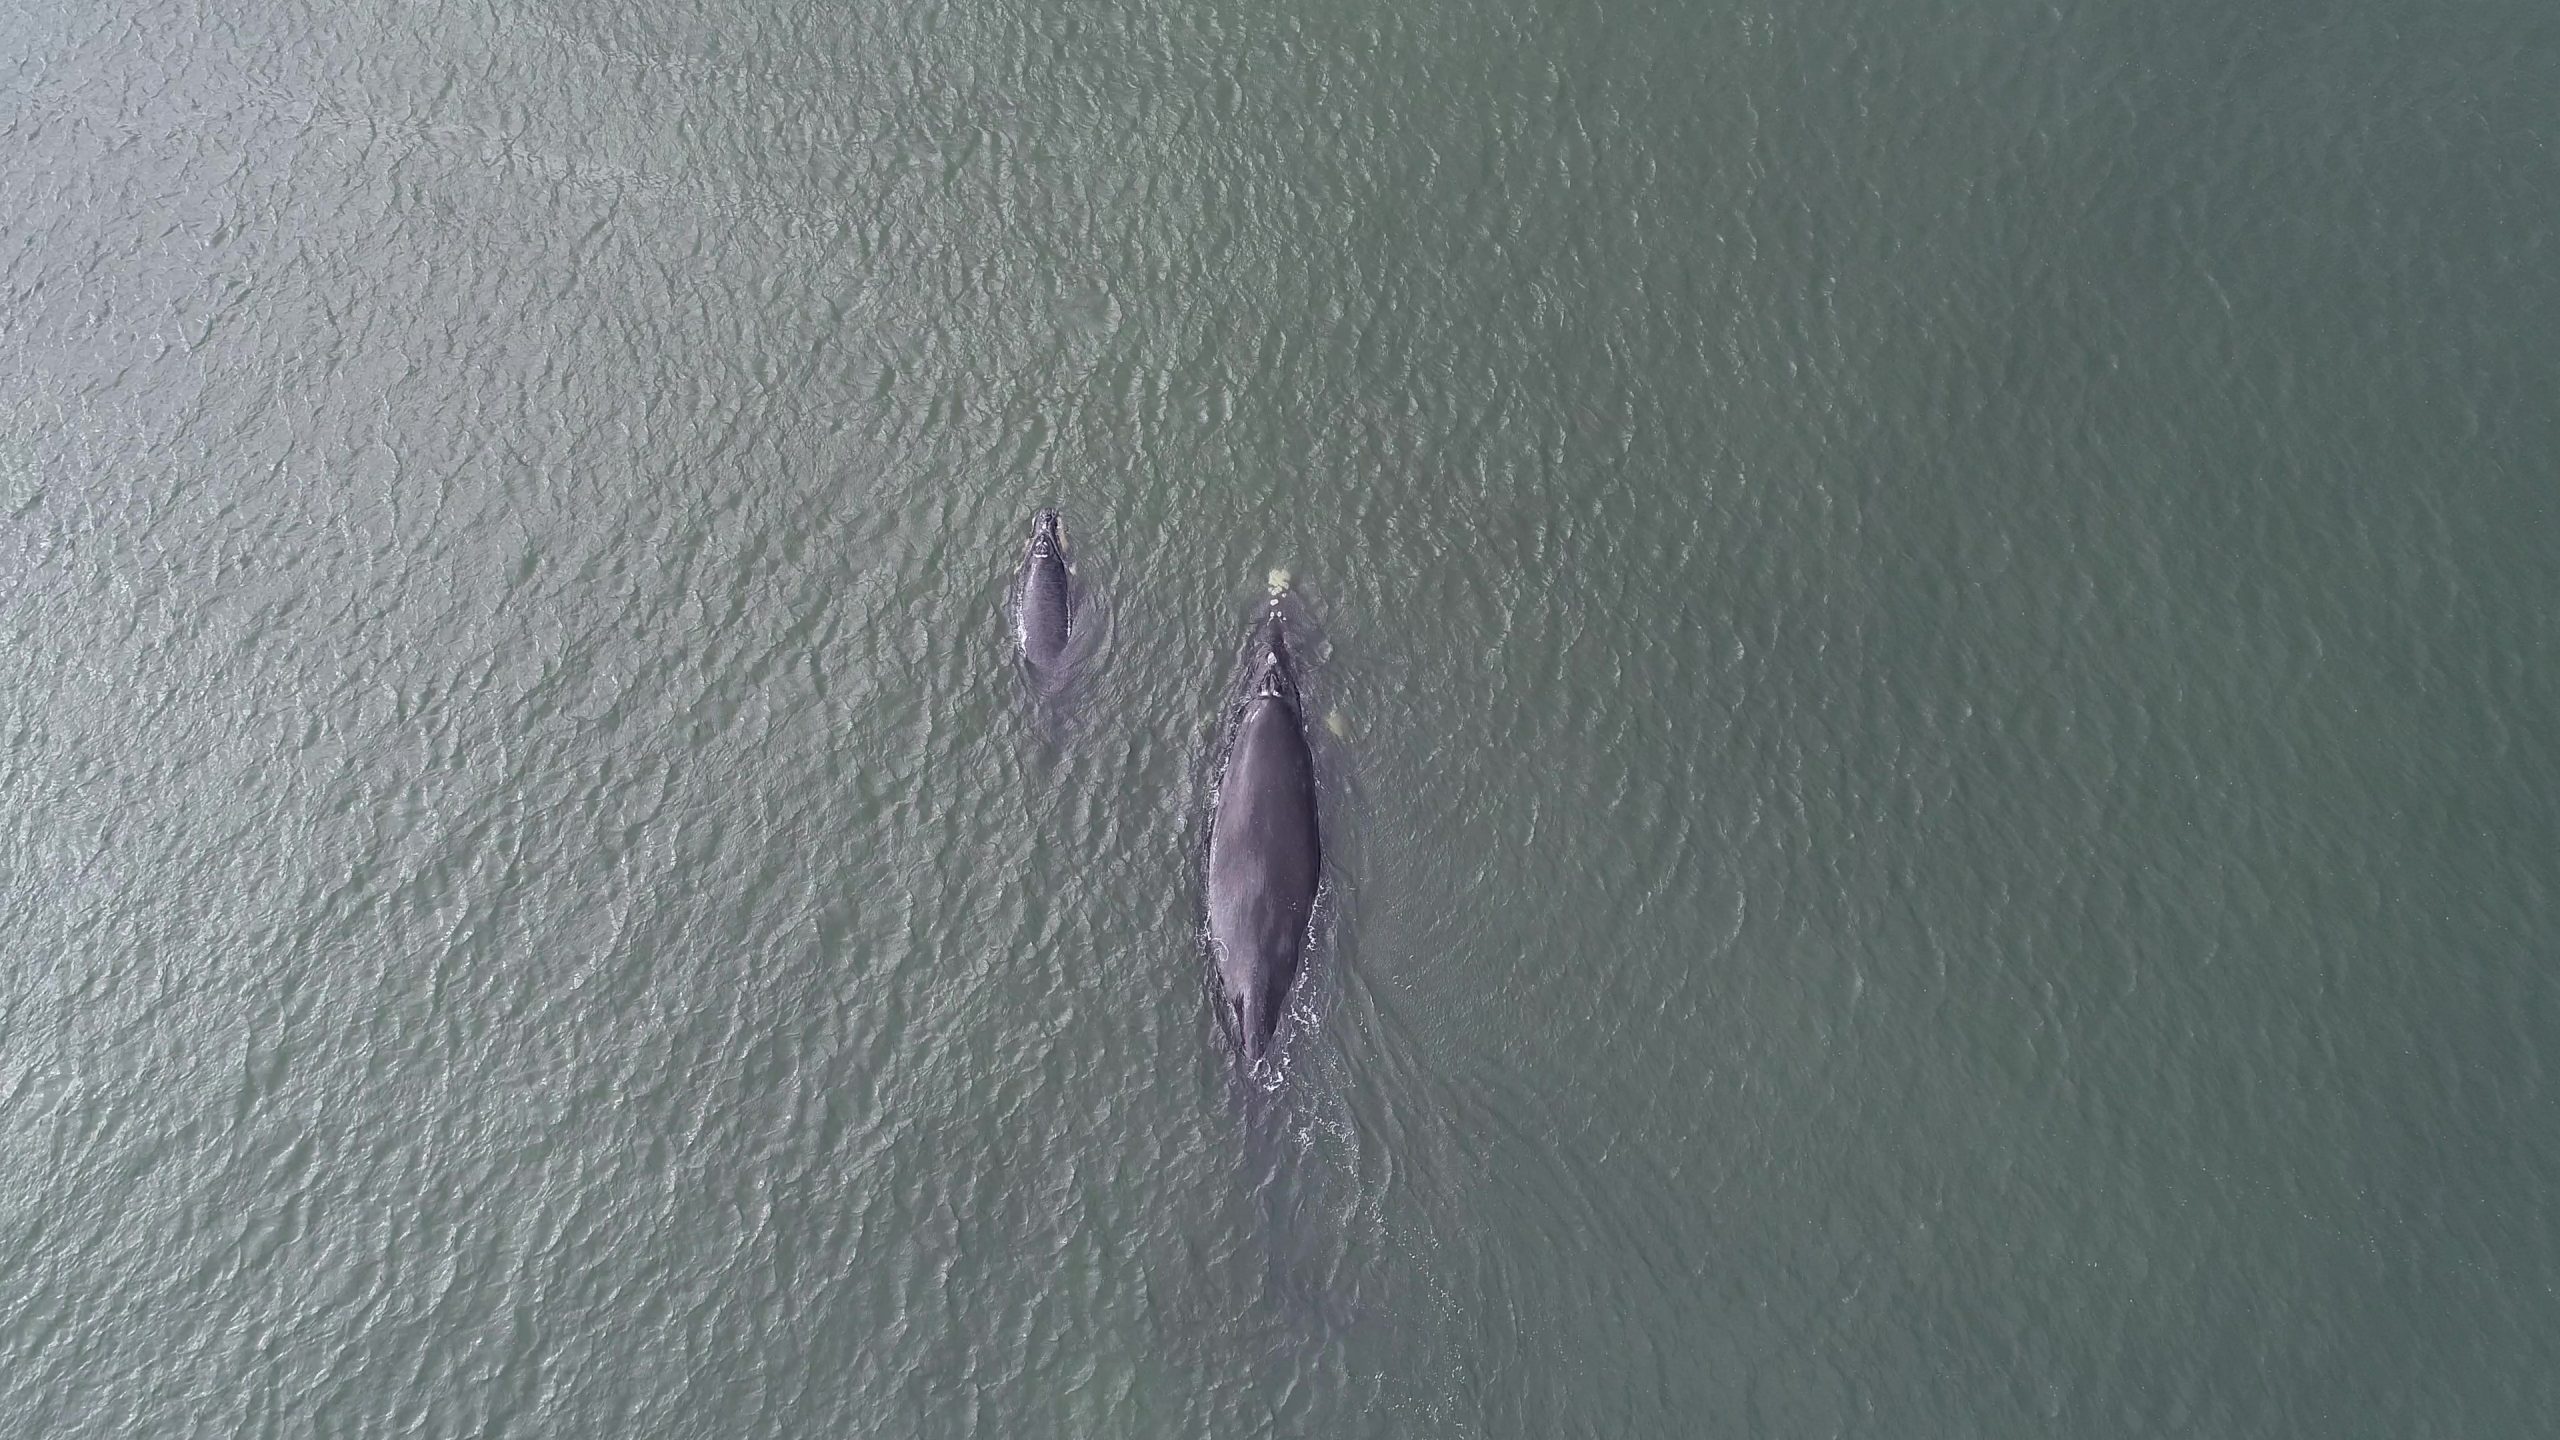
(1044, 603)
(1266, 853)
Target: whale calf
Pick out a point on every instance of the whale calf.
(1044, 603)
(1265, 854)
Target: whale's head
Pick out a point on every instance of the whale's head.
(1274, 677)
(1047, 537)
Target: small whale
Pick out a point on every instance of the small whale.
(1265, 855)
(1044, 603)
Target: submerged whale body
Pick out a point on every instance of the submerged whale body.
(1044, 603)
(1264, 851)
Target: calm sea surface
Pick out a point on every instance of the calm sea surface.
(1935, 644)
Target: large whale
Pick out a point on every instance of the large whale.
(1264, 852)
(1044, 603)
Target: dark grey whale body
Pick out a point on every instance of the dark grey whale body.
(1044, 602)
(1264, 852)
